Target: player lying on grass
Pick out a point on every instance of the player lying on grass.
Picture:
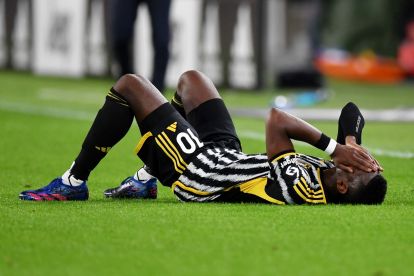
(191, 146)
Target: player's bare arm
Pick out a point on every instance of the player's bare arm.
(281, 127)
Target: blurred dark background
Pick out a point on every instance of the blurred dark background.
(239, 43)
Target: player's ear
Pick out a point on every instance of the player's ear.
(342, 186)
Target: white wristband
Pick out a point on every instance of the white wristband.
(331, 147)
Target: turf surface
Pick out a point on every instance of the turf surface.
(42, 124)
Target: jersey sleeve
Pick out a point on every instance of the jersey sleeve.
(299, 181)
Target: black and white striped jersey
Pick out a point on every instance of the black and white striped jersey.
(296, 178)
(222, 175)
(216, 171)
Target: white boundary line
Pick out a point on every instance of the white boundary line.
(382, 115)
(47, 111)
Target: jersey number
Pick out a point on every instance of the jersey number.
(292, 171)
(188, 142)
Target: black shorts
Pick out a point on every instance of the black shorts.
(169, 141)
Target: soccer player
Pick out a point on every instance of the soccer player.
(191, 146)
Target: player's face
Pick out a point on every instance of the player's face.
(358, 177)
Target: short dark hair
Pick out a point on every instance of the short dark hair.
(373, 192)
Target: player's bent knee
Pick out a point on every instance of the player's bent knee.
(275, 118)
(132, 80)
(130, 83)
(274, 114)
(190, 74)
(188, 78)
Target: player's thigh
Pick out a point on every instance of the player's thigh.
(213, 123)
(205, 110)
(195, 88)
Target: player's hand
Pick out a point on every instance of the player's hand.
(348, 157)
(351, 141)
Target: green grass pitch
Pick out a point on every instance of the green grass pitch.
(42, 124)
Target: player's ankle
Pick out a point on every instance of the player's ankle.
(69, 179)
(142, 175)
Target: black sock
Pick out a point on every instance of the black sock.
(111, 124)
(178, 105)
(351, 122)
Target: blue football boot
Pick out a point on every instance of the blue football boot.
(132, 188)
(56, 190)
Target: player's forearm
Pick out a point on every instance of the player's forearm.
(300, 130)
(345, 157)
(282, 127)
